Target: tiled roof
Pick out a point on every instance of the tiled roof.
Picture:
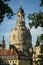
(7, 52)
(12, 53)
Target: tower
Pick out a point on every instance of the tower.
(20, 17)
(20, 36)
(3, 43)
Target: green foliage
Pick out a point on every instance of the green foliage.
(5, 10)
(41, 4)
(37, 19)
(40, 56)
(41, 47)
(41, 37)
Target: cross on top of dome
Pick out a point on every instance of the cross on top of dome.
(20, 10)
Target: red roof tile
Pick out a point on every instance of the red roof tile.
(7, 52)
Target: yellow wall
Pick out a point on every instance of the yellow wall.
(11, 62)
(24, 62)
(18, 62)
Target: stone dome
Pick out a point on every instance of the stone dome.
(20, 36)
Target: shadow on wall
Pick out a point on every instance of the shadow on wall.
(3, 62)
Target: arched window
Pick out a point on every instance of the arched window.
(18, 17)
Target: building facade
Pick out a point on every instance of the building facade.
(35, 55)
(20, 36)
(38, 52)
(20, 47)
(12, 57)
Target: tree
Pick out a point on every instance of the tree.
(37, 42)
(40, 56)
(5, 10)
(41, 4)
(37, 19)
(41, 37)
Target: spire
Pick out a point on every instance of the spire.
(3, 37)
(20, 10)
(20, 16)
(20, 4)
(3, 41)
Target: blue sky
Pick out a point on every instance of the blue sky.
(29, 6)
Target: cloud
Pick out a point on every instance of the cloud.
(37, 31)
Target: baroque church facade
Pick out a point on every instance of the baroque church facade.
(20, 36)
(20, 47)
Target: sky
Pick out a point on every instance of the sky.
(29, 6)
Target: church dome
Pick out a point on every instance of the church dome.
(20, 36)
